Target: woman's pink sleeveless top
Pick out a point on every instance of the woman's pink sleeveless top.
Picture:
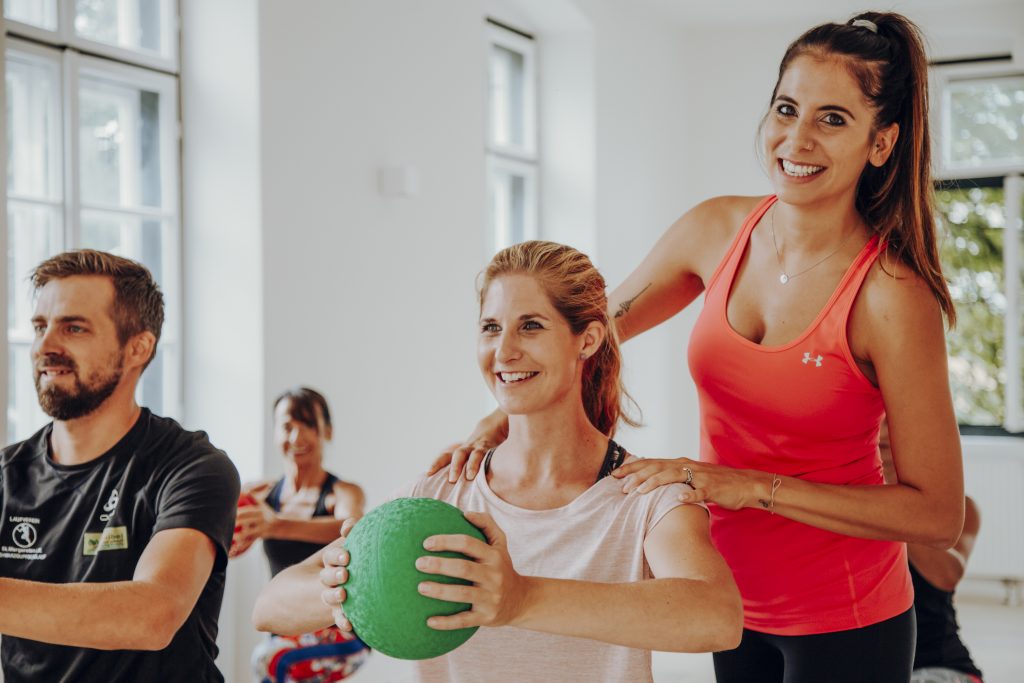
(803, 409)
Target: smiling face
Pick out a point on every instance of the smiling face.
(298, 442)
(820, 133)
(526, 350)
(77, 358)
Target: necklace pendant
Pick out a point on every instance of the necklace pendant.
(783, 278)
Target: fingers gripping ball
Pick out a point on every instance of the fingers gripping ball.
(382, 601)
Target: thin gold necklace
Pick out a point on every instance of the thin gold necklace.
(785, 277)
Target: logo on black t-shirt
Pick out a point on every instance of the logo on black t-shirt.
(24, 535)
(22, 539)
(111, 538)
(109, 507)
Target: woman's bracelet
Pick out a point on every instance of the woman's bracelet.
(769, 504)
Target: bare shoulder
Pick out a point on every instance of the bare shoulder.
(719, 218)
(349, 500)
(895, 304)
(703, 234)
(347, 488)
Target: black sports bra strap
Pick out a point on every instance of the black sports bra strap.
(613, 458)
(273, 498)
(325, 490)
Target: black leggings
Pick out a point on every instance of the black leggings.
(880, 653)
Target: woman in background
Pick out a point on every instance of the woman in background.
(294, 516)
(941, 655)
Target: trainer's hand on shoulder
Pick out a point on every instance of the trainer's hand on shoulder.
(464, 458)
(334, 575)
(728, 487)
(497, 594)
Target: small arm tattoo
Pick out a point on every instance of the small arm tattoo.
(626, 305)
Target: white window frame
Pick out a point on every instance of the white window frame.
(529, 173)
(522, 160)
(1013, 184)
(40, 52)
(65, 35)
(170, 217)
(11, 342)
(510, 40)
(135, 69)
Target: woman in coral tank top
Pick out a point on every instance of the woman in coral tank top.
(823, 309)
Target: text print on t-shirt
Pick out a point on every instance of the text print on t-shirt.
(19, 543)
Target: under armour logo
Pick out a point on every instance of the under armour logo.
(110, 506)
(807, 359)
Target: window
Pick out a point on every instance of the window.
(92, 162)
(140, 32)
(41, 13)
(980, 199)
(512, 160)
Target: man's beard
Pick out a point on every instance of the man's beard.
(63, 404)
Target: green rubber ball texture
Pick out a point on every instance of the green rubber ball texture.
(382, 601)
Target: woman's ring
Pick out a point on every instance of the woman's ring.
(689, 476)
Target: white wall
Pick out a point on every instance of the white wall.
(222, 247)
(642, 167)
(369, 298)
(366, 298)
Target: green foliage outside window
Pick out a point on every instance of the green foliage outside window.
(971, 249)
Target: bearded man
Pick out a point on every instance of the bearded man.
(115, 523)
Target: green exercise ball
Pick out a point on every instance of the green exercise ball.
(387, 611)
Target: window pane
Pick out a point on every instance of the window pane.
(24, 416)
(131, 24)
(508, 97)
(34, 234)
(508, 207)
(972, 257)
(986, 122)
(119, 140)
(135, 237)
(41, 13)
(34, 163)
(152, 384)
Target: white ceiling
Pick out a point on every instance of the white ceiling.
(707, 12)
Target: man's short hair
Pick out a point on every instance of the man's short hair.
(138, 303)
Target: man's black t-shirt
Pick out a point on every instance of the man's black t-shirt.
(91, 522)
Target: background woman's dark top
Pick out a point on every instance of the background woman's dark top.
(938, 637)
(282, 554)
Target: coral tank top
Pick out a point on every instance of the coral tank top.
(803, 409)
